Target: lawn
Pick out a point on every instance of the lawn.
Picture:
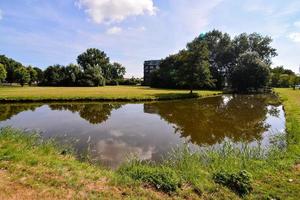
(32, 169)
(108, 93)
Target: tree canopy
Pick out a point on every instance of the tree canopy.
(250, 72)
(22, 76)
(3, 73)
(222, 58)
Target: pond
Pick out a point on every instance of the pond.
(109, 132)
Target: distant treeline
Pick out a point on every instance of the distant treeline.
(93, 68)
(216, 61)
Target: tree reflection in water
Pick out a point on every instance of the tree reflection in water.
(7, 111)
(211, 120)
(94, 113)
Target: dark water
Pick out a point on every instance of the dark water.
(109, 132)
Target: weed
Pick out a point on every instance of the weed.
(161, 177)
(238, 182)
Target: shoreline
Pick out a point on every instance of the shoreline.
(129, 100)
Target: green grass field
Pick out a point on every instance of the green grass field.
(108, 93)
(32, 169)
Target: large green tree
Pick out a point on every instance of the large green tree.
(11, 66)
(3, 73)
(40, 75)
(281, 77)
(254, 43)
(22, 76)
(250, 72)
(220, 54)
(95, 65)
(294, 81)
(117, 71)
(33, 75)
(167, 75)
(72, 75)
(53, 75)
(223, 56)
(194, 70)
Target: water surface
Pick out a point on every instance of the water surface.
(109, 132)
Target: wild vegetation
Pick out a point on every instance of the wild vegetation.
(39, 169)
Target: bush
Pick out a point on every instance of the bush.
(131, 81)
(240, 182)
(112, 82)
(163, 178)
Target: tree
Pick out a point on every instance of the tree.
(254, 42)
(40, 75)
(284, 80)
(250, 72)
(33, 75)
(72, 75)
(3, 73)
(167, 74)
(117, 71)
(92, 76)
(53, 75)
(294, 81)
(195, 67)
(220, 54)
(95, 65)
(22, 76)
(282, 77)
(281, 70)
(10, 66)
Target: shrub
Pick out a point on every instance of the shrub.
(239, 182)
(163, 178)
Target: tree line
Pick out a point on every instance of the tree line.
(93, 68)
(284, 78)
(216, 61)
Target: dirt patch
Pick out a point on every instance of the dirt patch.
(11, 191)
(99, 186)
(297, 167)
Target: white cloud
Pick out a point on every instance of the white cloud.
(109, 11)
(114, 30)
(295, 36)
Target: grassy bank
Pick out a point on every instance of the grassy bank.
(32, 169)
(108, 93)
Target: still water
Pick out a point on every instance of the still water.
(109, 132)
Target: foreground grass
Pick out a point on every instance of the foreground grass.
(33, 169)
(108, 93)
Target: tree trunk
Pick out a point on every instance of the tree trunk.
(191, 89)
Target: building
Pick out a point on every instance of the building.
(150, 66)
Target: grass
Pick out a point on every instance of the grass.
(29, 166)
(108, 93)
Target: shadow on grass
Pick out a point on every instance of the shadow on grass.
(170, 96)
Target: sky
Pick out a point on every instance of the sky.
(47, 32)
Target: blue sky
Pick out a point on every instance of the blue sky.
(46, 32)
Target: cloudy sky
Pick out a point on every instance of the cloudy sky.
(46, 32)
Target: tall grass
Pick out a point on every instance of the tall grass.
(197, 168)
